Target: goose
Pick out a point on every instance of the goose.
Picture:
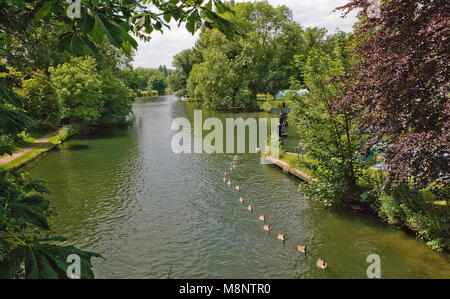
(226, 173)
(225, 179)
(238, 188)
(267, 227)
(262, 218)
(229, 182)
(250, 208)
(321, 264)
(302, 249)
(281, 237)
(241, 200)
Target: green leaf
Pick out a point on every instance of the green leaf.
(42, 12)
(35, 201)
(10, 267)
(31, 264)
(97, 33)
(51, 239)
(167, 17)
(126, 48)
(29, 214)
(208, 5)
(45, 269)
(87, 20)
(59, 254)
(4, 244)
(129, 39)
(113, 31)
(192, 22)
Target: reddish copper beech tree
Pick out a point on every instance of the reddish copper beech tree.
(401, 85)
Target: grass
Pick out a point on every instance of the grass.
(63, 134)
(295, 161)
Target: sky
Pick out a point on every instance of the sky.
(309, 13)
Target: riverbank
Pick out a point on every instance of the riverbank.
(290, 169)
(37, 148)
(418, 213)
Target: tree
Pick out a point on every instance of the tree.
(40, 100)
(79, 91)
(157, 82)
(400, 87)
(261, 62)
(183, 63)
(114, 19)
(329, 138)
(214, 81)
(116, 99)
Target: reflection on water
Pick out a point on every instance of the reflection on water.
(145, 209)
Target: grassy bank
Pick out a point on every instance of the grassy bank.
(64, 133)
(417, 212)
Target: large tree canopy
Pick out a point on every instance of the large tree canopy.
(401, 85)
(83, 26)
(260, 62)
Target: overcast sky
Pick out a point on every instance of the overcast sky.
(309, 13)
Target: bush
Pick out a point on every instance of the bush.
(407, 208)
(78, 90)
(117, 100)
(41, 101)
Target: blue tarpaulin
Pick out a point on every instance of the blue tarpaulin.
(284, 93)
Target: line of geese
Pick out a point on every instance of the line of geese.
(301, 248)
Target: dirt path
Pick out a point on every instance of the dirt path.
(36, 144)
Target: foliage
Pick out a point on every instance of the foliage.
(25, 254)
(41, 35)
(402, 206)
(260, 62)
(157, 82)
(113, 19)
(400, 86)
(329, 138)
(40, 100)
(116, 100)
(183, 62)
(13, 119)
(214, 81)
(79, 91)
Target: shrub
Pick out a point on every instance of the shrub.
(78, 90)
(408, 208)
(41, 101)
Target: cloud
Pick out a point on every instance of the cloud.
(309, 13)
(162, 47)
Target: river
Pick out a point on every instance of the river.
(124, 194)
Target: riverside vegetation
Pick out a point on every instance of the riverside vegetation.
(374, 97)
(55, 70)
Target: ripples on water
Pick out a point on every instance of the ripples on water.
(124, 194)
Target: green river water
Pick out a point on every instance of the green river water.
(124, 194)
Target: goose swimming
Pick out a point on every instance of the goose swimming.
(321, 264)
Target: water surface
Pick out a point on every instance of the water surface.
(124, 194)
